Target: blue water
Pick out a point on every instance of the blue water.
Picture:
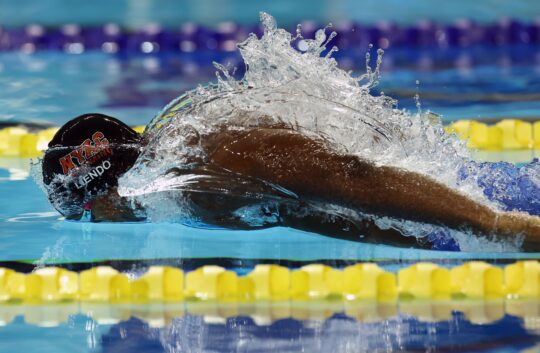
(52, 87)
(49, 88)
(171, 12)
(33, 231)
(338, 333)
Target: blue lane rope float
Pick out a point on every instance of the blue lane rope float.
(190, 37)
(315, 282)
(505, 135)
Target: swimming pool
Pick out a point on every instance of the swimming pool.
(49, 87)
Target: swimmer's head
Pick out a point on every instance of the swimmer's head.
(84, 161)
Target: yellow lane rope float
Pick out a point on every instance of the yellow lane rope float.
(366, 281)
(18, 141)
(507, 134)
(366, 292)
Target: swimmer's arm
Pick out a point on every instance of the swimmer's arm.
(111, 207)
(335, 226)
(310, 169)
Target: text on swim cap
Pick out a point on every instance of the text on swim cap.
(90, 151)
(94, 173)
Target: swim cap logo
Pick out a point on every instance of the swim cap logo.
(88, 152)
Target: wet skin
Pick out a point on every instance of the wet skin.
(317, 174)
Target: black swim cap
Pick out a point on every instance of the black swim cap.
(85, 158)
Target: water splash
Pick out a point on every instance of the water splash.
(307, 91)
(311, 94)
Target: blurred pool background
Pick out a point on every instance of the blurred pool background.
(137, 13)
(128, 58)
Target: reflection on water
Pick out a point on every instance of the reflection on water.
(339, 334)
(277, 327)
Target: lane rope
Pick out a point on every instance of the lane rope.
(504, 135)
(367, 281)
(19, 141)
(114, 38)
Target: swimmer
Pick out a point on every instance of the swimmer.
(88, 154)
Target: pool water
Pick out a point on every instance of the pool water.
(48, 88)
(337, 333)
(51, 87)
